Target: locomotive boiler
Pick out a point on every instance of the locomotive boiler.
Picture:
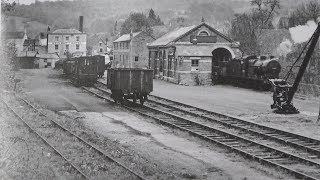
(249, 71)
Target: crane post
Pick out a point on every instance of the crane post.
(304, 64)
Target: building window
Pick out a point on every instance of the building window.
(56, 47)
(78, 38)
(136, 58)
(127, 45)
(67, 47)
(100, 44)
(45, 60)
(77, 46)
(195, 62)
(67, 38)
(101, 50)
(203, 33)
(56, 38)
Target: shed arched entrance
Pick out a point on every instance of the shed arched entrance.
(220, 57)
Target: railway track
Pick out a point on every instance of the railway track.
(86, 158)
(295, 154)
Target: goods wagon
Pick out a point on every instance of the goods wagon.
(130, 83)
(84, 71)
(100, 65)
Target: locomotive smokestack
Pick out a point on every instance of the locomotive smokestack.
(81, 23)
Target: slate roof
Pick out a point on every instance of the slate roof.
(29, 42)
(14, 35)
(180, 32)
(171, 36)
(66, 31)
(126, 37)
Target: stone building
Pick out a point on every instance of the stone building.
(98, 44)
(187, 55)
(62, 41)
(130, 50)
(15, 39)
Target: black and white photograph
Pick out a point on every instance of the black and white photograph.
(160, 90)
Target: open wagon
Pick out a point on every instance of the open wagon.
(130, 83)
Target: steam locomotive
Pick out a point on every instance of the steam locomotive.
(249, 71)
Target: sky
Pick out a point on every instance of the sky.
(28, 1)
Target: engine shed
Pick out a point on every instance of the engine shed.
(187, 55)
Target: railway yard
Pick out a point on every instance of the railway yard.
(52, 129)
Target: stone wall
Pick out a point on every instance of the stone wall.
(193, 79)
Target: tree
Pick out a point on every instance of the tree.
(264, 11)
(243, 30)
(136, 22)
(247, 27)
(153, 19)
(152, 15)
(304, 13)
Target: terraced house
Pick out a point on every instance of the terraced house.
(62, 41)
(130, 50)
(187, 55)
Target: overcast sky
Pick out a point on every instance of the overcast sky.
(29, 1)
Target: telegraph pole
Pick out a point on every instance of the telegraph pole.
(131, 54)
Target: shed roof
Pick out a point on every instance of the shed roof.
(126, 37)
(171, 36)
(66, 31)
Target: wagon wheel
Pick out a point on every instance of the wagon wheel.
(142, 99)
(134, 98)
(121, 97)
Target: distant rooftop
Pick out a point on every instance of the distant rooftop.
(126, 37)
(66, 31)
(14, 35)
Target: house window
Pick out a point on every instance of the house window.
(56, 38)
(67, 47)
(203, 33)
(127, 44)
(67, 38)
(101, 50)
(195, 62)
(56, 47)
(77, 46)
(136, 58)
(100, 44)
(78, 38)
(45, 60)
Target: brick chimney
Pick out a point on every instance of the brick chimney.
(81, 23)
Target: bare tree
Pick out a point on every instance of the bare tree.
(304, 13)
